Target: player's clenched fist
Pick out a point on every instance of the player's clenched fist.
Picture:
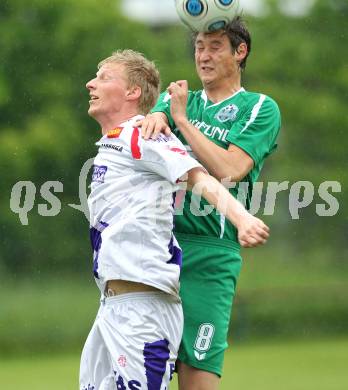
(178, 92)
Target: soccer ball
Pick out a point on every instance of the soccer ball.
(206, 15)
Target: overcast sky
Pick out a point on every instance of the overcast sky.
(163, 11)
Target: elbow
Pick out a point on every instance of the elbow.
(225, 175)
(194, 176)
(233, 172)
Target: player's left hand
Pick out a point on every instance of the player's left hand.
(178, 91)
(252, 231)
(153, 124)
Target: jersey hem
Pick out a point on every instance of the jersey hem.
(207, 240)
(161, 288)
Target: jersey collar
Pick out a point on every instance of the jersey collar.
(205, 98)
(132, 120)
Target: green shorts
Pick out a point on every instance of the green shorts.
(208, 282)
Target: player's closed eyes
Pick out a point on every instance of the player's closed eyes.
(105, 77)
(211, 49)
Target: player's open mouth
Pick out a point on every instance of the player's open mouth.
(93, 97)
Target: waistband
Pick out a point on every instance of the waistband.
(207, 241)
(119, 286)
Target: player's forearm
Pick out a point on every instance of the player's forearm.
(218, 161)
(216, 194)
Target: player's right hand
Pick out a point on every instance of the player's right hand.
(252, 231)
(152, 125)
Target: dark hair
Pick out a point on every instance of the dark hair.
(237, 33)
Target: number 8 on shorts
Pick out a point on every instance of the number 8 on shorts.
(204, 337)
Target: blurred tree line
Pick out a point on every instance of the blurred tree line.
(50, 48)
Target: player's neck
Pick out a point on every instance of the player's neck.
(113, 121)
(217, 93)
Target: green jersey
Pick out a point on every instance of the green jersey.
(248, 120)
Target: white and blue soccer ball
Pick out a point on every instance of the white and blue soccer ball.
(206, 15)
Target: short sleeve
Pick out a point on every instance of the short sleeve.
(163, 105)
(257, 131)
(167, 157)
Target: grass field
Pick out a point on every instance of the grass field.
(301, 365)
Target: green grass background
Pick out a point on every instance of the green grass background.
(315, 365)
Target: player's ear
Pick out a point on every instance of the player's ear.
(241, 52)
(133, 93)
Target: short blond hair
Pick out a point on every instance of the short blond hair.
(140, 72)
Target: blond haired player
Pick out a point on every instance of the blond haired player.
(134, 340)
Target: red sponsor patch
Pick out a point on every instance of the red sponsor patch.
(114, 133)
(122, 361)
(177, 150)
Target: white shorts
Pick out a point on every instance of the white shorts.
(133, 343)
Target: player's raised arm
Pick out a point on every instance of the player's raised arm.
(251, 230)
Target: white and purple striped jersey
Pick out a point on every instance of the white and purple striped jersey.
(131, 208)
